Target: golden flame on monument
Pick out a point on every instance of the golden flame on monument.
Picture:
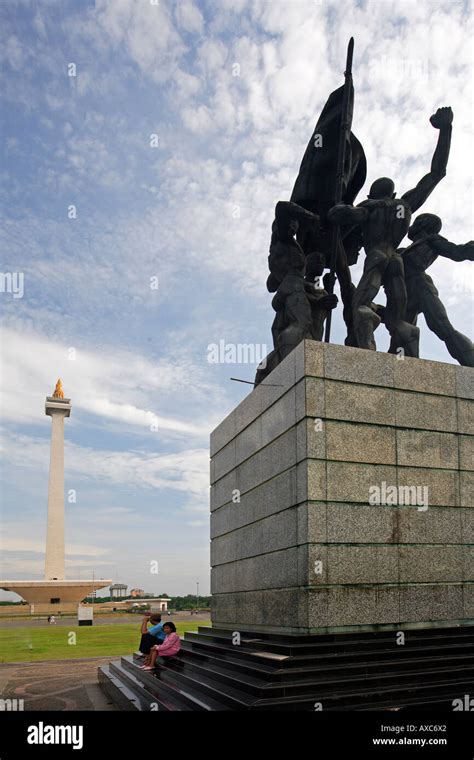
(58, 391)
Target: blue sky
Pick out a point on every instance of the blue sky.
(232, 92)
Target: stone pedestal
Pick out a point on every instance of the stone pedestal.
(298, 544)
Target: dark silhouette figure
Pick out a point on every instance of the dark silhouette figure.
(422, 294)
(384, 220)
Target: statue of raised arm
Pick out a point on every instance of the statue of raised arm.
(384, 220)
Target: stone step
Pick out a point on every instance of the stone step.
(117, 691)
(355, 636)
(211, 674)
(329, 682)
(149, 701)
(254, 676)
(182, 694)
(226, 695)
(260, 656)
(338, 644)
(416, 696)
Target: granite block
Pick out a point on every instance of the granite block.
(278, 455)
(225, 460)
(269, 498)
(311, 439)
(434, 526)
(352, 442)
(468, 601)
(280, 380)
(442, 485)
(422, 448)
(223, 490)
(316, 480)
(468, 563)
(248, 442)
(425, 376)
(425, 564)
(464, 382)
(357, 365)
(349, 482)
(425, 412)
(353, 605)
(275, 570)
(359, 403)
(466, 452)
(351, 523)
(465, 409)
(313, 358)
(311, 523)
(425, 602)
(273, 533)
(467, 525)
(466, 488)
(362, 564)
(279, 417)
(224, 432)
(313, 398)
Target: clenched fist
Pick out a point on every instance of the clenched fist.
(442, 118)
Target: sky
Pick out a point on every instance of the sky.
(145, 144)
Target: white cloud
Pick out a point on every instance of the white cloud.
(107, 385)
(189, 17)
(186, 472)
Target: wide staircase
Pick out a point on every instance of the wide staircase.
(349, 671)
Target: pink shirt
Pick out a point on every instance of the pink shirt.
(170, 646)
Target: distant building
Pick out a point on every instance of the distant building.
(137, 592)
(118, 591)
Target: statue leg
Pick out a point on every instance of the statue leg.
(411, 314)
(404, 335)
(343, 274)
(458, 345)
(298, 320)
(365, 320)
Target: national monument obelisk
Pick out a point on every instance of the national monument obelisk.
(55, 593)
(58, 408)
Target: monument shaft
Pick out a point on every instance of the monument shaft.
(57, 409)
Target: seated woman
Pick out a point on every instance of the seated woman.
(170, 647)
(153, 635)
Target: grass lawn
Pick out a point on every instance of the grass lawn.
(52, 642)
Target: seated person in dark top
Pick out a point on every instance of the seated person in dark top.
(151, 636)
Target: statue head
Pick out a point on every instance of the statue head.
(292, 227)
(382, 189)
(315, 263)
(284, 230)
(424, 224)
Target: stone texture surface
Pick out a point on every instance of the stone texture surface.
(296, 544)
(425, 411)
(420, 448)
(351, 442)
(425, 376)
(359, 403)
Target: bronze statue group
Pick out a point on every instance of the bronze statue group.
(321, 228)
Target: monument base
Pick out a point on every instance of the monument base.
(341, 496)
(53, 596)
